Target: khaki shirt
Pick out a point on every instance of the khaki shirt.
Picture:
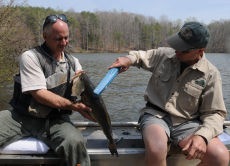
(196, 93)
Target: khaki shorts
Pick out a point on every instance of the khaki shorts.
(174, 133)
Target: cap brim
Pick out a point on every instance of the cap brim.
(177, 43)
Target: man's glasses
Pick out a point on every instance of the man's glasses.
(53, 18)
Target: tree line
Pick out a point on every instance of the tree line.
(99, 31)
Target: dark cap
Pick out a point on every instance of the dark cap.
(191, 35)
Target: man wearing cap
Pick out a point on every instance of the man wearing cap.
(42, 97)
(184, 101)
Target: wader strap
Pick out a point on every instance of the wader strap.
(67, 92)
(47, 127)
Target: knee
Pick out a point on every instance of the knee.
(222, 156)
(71, 143)
(77, 141)
(157, 150)
(218, 156)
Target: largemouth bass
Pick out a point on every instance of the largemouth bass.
(83, 88)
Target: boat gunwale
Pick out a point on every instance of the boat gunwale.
(119, 124)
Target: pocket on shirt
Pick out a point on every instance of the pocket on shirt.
(189, 96)
(193, 90)
(162, 77)
(163, 73)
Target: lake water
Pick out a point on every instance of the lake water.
(124, 96)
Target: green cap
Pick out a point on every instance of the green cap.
(191, 35)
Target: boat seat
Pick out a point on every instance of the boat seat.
(27, 145)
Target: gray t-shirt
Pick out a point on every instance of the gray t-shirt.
(32, 76)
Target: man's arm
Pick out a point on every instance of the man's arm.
(50, 99)
(212, 115)
(212, 109)
(147, 60)
(136, 58)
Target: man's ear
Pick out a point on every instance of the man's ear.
(201, 50)
(44, 35)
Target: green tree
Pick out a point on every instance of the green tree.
(118, 39)
(89, 24)
(14, 37)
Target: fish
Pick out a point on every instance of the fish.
(83, 88)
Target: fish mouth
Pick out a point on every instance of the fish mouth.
(113, 149)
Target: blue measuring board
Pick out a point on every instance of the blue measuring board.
(111, 74)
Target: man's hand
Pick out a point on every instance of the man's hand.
(83, 110)
(53, 100)
(195, 148)
(122, 62)
(78, 72)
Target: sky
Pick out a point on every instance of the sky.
(205, 11)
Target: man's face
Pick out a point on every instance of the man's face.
(189, 57)
(57, 37)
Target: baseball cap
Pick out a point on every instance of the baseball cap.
(191, 35)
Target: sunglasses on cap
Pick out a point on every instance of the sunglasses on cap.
(53, 18)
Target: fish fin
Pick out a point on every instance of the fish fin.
(78, 87)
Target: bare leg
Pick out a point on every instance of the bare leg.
(216, 155)
(155, 140)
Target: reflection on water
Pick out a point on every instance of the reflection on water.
(124, 96)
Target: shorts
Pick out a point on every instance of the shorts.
(174, 133)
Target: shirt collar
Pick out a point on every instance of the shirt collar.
(201, 65)
(62, 58)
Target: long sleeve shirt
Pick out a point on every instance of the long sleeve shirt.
(194, 93)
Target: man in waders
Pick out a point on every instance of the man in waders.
(41, 101)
